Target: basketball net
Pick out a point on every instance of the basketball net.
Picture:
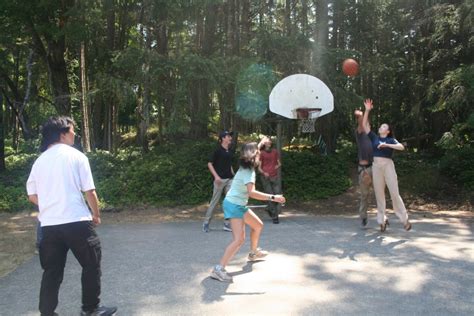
(307, 119)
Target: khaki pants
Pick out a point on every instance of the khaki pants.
(384, 175)
(224, 185)
(364, 190)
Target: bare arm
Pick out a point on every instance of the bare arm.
(393, 146)
(213, 171)
(33, 199)
(365, 119)
(93, 201)
(360, 126)
(254, 194)
(278, 164)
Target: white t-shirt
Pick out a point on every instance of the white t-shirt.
(58, 177)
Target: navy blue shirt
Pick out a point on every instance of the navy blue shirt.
(382, 152)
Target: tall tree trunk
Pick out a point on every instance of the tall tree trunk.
(58, 76)
(85, 103)
(165, 77)
(144, 109)
(321, 37)
(199, 97)
(53, 57)
(326, 125)
(246, 22)
(112, 105)
(287, 23)
(144, 93)
(304, 16)
(15, 105)
(2, 135)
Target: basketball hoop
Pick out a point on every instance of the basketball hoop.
(307, 119)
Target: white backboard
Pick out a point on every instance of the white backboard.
(300, 91)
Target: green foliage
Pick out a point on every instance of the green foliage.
(13, 195)
(177, 175)
(169, 175)
(307, 176)
(419, 175)
(458, 164)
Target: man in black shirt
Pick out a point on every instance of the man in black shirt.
(220, 166)
(365, 158)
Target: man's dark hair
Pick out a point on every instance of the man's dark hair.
(52, 130)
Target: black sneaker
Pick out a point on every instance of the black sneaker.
(364, 223)
(276, 220)
(54, 314)
(101, 311)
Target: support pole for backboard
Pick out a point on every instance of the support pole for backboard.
(279, 146)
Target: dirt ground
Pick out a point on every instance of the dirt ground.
(18, 231)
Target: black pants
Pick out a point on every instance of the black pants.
(84, 243)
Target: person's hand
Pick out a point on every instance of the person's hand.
(358, 113)
(279, 198)
(276, 167)
(217, 180)
(264, 139)
(369, 105)
(383, 145)
(266, 174)
(262, 142)
(96, 219)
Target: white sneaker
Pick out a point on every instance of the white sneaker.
(226, 227)
(258, 254)
(220, 275)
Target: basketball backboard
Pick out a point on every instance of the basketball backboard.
(300, 91)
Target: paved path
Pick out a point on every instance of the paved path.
(318, 266)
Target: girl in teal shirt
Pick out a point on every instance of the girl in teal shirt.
(235, 209)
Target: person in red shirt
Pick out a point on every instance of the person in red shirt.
(270, 176)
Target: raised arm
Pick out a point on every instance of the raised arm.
(368, 103)
(359, 116)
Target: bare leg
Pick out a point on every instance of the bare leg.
(238, 235)
(256, 226)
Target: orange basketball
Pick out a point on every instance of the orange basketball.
(350, 67)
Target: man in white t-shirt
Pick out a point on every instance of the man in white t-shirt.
(56, 184)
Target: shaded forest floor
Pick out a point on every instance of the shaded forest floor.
(18, 230)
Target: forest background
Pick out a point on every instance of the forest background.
(151, 83)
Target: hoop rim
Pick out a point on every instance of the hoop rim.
(304, 113)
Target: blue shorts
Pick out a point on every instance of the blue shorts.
(232, 210)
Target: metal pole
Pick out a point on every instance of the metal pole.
(279, 146)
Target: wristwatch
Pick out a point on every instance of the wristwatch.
(272, 198)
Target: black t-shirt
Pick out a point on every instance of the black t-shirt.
(221, 160)
(364, 147)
